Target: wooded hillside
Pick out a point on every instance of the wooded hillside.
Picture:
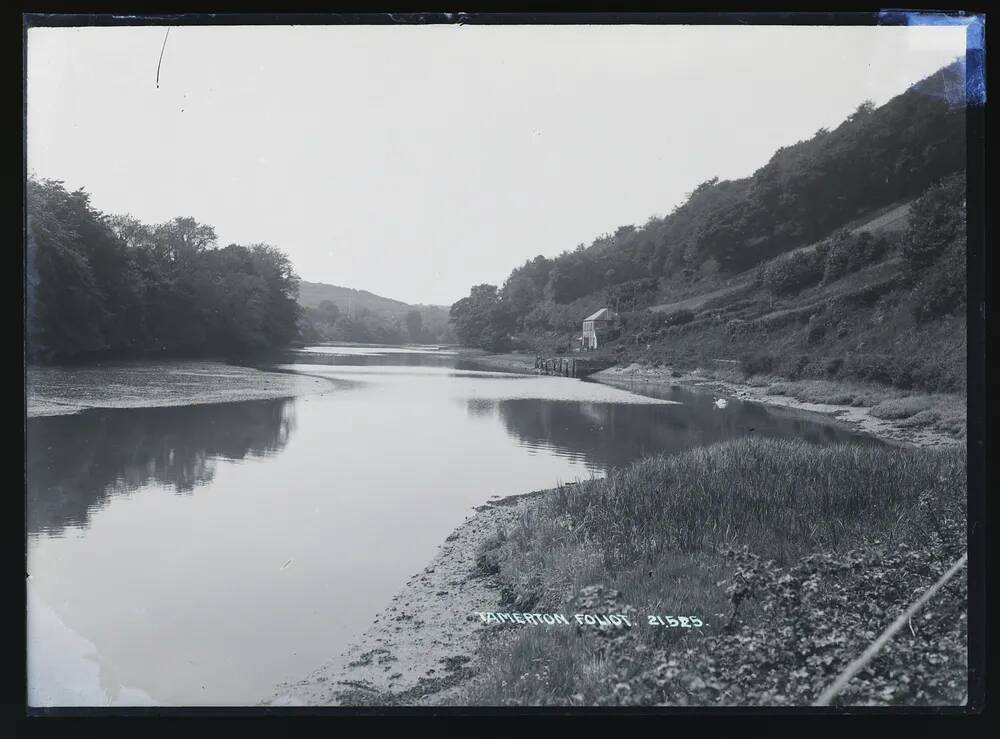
(807, 191)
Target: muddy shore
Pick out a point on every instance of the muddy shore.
(424, 644)
(858, 417)
(55, 391)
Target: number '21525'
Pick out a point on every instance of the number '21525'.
(685, 622)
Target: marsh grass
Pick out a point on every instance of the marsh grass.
(941, 412)
(834, 393)
(661, 531)
(782, 498)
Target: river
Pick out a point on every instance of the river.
(200, 554)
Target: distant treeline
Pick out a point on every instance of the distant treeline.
(110, 286)
(878, 156)
(327, 322)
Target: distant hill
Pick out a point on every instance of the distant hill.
(311, 294)
(365, 306)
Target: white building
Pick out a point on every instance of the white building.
(595, 328)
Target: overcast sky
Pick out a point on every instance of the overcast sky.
(416, 161)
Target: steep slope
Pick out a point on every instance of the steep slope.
(866, 169)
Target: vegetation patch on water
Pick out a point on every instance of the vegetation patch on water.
(794, 557)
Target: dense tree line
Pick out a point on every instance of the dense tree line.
(876, 157)
(100, 286)
(483, 320)
(327, 322)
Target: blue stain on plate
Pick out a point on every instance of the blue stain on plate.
(975, 60)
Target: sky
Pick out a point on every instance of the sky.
(417, 161)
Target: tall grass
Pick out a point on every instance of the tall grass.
(656, 532)
(781, 498)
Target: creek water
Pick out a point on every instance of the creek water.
(199, 555)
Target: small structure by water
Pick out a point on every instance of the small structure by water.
(595, 328)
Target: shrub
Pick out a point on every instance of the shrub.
(792, 274)
(897, 408)
(847, 252)
(943, 288)
(488, 554)
(816, 333)
(679, 317)
(792, 366)
(880, 368)
(639, 319)
(757, 364)
(811, 634)
(937, 221)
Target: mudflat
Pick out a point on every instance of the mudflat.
(54, 391)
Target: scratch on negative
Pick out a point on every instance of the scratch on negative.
(162, 49)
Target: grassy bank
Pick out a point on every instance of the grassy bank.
(794, 557)
(941, 412)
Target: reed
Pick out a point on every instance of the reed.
(662, 532)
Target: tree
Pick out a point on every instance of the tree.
(65, 305)
(482, 320)
(414, 324)
(113, 286)
(937, 220)
(805, 192)
(329, 311)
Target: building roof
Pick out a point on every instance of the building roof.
(602, 315)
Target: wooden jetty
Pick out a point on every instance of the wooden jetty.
(569, 366)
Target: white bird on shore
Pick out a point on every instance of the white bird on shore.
(721, 403)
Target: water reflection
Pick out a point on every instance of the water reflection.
(607, 435)
(272, 567)
(375, 356)
(74, 463)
